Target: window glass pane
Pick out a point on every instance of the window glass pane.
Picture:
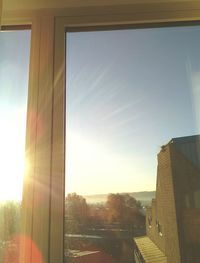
(197, 199)
(14, 67)
(132, 143)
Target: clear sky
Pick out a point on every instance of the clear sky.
(128, 93)
(14, 66)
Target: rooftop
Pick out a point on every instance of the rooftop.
(189, 146)
(149, 251)
(78, 253)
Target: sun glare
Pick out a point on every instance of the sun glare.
(84, 155)
(12, 141)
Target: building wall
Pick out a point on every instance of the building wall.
(176, 209)
(187, 184)
(164, 231)
(152, 230)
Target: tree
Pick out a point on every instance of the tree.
(124, 209)
(9, 228)
(132, 202)
(9, 220)
(77, 213)
(116, 207)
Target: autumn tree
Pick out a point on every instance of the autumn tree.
(124, 209)
(77, 213)
(9, 220)
(116, 207)
(9, 227)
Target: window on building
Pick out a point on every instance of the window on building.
(159, 226)
(150, 221)
(197, 199)
(187, 201)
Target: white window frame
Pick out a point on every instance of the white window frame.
(44, 185)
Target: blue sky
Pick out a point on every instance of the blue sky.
(128, 93)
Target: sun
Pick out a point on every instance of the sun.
(12, 162)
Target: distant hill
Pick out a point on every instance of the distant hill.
(144, 197)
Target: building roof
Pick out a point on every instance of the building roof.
(78, 253)
(186, 139)
(189, 146)
(149, 251)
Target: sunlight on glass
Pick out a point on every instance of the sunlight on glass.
(132, 146)
(12, 138)
(14, 68)
(14, 64)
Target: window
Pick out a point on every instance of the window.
(127, 95)
(197, 199)
(14, 66)
(51, 242)
(187, 201)
(159, 228)
(150, 221)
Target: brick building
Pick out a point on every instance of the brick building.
(173, 220)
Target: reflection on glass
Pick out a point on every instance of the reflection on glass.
(133, 156)
(14, 65)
